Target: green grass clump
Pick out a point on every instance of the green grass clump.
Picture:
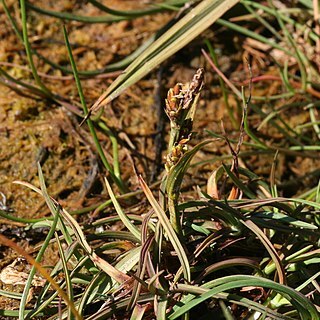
(237, 251)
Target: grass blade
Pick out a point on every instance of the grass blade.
(126, 221)
(138, 312)
(117, 275)
(38, 259)
(168, 229)
(270, 248)
(138, 13)
(7, 242)
(299, 301)
(29, 50)
(185, 30)
(66, 274)
(103, 158)
(174, 180)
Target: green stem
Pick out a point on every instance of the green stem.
(115, 148)
(103, 158)
(29, 50)
(174, 135)
(174, 214)
(33, 270)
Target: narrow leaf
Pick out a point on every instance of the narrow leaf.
(126, 221)
(168, 229)
(299, 301)
(185, 30)
(101, 263)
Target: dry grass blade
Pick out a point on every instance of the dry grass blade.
(7, 242)
(184, 31)
(117, 275)
(221, 75)
(114, 273)
(138, 312)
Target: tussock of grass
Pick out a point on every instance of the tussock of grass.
(240, 250)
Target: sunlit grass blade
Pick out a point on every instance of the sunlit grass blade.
(225, 310)
(7, 242)
(140, 272)
(168, 229)
(129, 260)
(277, 216)
(313, 119)
(38, 259)
(174, 180)
(162, 305)
(13, 313)
(70, 16)
(310, 280)
(185, 30)
(114, 273)
(52, 206)
(300, 302)
(299, 55)
(300, 255)
(232, 298)
(126, 221)
(100, 283)
(138, 312)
